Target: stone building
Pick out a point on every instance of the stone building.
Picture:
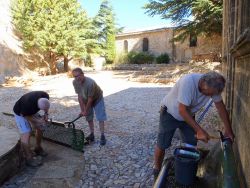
(159, 41)
(236, 67)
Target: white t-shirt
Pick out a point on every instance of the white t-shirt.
(186, 91)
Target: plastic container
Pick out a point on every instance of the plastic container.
(186, 164)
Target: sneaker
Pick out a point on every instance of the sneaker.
(90, 138)
(41, 152)
(155, 173)
(102, 140)
(34, 162)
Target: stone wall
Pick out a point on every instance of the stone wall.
(236, 67)
(205, 46)
(10, 163)
(160, 42)
(11, 158)
(11, 54)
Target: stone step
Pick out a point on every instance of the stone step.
(10, 160)
(63, 167)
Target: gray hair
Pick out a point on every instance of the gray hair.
(43, 104)
(79, 70)
(214, 80)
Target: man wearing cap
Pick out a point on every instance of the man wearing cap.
(26, 115)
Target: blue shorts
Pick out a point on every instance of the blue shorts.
(22, 124)
(100, 112)
(167, 127)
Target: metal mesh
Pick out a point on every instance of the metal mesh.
(58, 133)
(70, 137)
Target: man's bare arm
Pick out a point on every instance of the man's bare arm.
(81, 103)
(220, 106)
(200, 133)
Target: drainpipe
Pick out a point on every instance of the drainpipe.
(229, 172)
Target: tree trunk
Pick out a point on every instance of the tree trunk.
(66, 63)
(52, 63)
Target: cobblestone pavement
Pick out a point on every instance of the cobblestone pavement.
(132, 108)
(127, 158)
(133, 114)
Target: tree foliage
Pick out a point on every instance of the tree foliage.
(55, 29)
(206, 15)
(104, 23)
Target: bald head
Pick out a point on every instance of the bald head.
(43, 104)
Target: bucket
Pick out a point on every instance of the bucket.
(186, 164)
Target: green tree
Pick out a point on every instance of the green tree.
(104, 22)
(206, 15)
(55, 29)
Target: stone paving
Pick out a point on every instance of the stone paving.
(63, 167)
(133, 114)
(132, 108)
(127, 159)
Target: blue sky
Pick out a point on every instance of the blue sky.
(129, 14)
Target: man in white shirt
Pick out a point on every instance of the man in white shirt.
(178, 108)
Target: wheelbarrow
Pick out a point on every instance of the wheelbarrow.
(63, 133)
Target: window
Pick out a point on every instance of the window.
(145, 45)
(125, 46)
(193, 41)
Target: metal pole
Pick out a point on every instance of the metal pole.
(162, 177)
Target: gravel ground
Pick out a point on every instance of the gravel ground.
(132, 108)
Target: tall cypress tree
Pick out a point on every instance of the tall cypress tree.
(106, 30)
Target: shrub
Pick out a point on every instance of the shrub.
(140, 58)
(121, 58)
(163, 58)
